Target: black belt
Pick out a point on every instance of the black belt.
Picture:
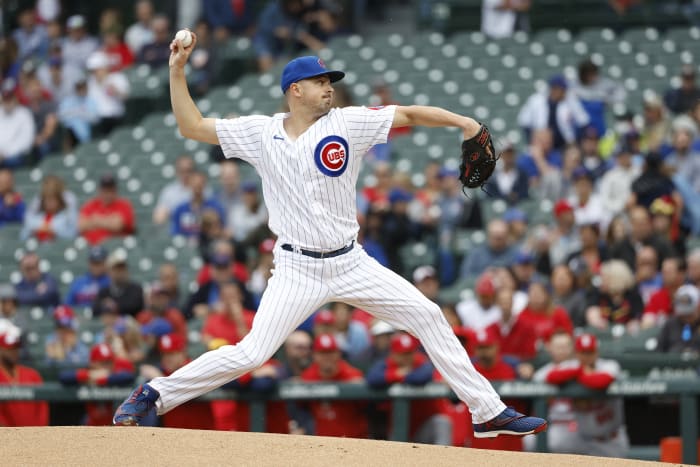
(319, 254)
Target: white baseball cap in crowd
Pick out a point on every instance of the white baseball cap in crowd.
(75, 22)
(381, 327)
(686, 300)
(117, 257)
(423, 272)
(97, 60)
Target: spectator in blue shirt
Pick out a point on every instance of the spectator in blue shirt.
(539, 155)
(36, 288)
(186, 219)
(497, 252)
(228, 17)
(84, 288)
(32, 38)
(288, 26)
(77, 113)
(11, 202)
(63, 347)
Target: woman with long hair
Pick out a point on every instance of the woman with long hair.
(51, 216)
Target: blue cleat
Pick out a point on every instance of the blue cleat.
(140, 404)
(510, 422)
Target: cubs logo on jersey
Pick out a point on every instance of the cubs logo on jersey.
(331, 155)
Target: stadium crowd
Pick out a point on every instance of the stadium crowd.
(616, 252)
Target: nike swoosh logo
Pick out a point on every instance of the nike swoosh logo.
(278, 137)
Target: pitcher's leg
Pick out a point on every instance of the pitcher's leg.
(392, 298)
(285, 304)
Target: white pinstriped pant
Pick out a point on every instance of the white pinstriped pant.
(298, 287)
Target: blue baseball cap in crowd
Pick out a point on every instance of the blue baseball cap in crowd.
(514, 215)
(558, 81)
(157, 327)
(249, 187)
(581, 172)
(447, 172)
(398, 195)
(305, 68)
(524, 257)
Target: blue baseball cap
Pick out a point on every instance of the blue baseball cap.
(307, 67)
(524, 257)
(398, 195)
(157, 327)
(558, 81)
(515, 215)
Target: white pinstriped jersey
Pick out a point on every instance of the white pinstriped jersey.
(309, 185)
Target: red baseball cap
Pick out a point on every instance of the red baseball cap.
(10, 340)
(64, 316)
(325, 343)
(267, 246)
(101, 353)
(485, 338)
(586, 343)
(562, 206)
(324, 317)
(403, 343)
(484, 285)
(171, 343)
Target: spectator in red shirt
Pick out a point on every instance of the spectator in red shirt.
(19, 413)
(324, 323)
(660, 305)
(173, 355)
(517, 337)
(600, 429)
(489, 362)
(106, 215)
(119, 54)
(335, 418)
(105, 370)
(228, 323)
(377, 197)
(541, 314)
(159, 307)
(258, 381)
(405, 364)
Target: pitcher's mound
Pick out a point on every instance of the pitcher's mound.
(117, 446)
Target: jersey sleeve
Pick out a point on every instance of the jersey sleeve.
(368, 126)
(241, 137)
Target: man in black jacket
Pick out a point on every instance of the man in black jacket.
(126, 293)
(681, 333)
(641, 234)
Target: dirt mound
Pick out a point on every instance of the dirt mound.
(87, 446)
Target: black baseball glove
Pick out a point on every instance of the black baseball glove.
(478, 159)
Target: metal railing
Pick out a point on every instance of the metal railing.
(686, 390)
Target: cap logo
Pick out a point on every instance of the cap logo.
(331, 155)
(326, 341)
(321, 63)
(166, 342)
(104, 351)
(405, 341)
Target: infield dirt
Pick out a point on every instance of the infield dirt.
(118, 446)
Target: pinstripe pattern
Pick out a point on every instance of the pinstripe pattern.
(393, 299)
(293, 293)
(316, 211)
(306, 207)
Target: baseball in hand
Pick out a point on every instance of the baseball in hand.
(184, 36)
